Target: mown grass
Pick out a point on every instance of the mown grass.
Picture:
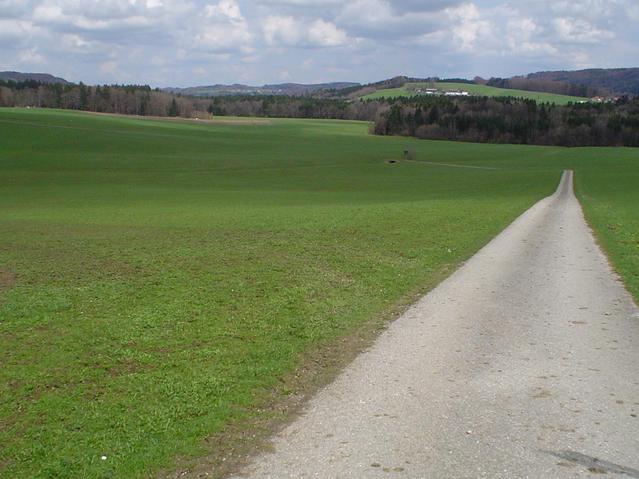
(157, 278)
(477, 90)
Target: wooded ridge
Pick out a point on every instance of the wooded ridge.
(477, 119)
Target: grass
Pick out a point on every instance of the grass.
(477, 90)
(157, 278)
(610, 195)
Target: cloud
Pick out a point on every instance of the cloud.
(524, 37)
(109, 68)
(15, 31)
(392, 20)
(167, 42)
(287, 31)
(281, 30)
(572, 30)
(300, 3)
(325, 34)
(469, 26)
(14, 8)
(224, 29)
(422, 6)
(31, 57)
(226, 10)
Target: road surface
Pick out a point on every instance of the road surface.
(523, 364)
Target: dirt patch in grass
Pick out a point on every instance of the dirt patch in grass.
(7, 280)
(126, 367)
(239, 442)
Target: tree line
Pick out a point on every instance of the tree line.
(478, 119)
(511, 120)
(145, 101)
(619, 81)
(547, 86)
(125, 99)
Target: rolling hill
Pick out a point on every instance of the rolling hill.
(40, 77)
(291, 89)
(621, 81)
(478, 90)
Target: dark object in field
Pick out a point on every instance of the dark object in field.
(391, 161)
(409, 154)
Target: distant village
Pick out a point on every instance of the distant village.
(436, 91)
(601, 99)
(441, 92)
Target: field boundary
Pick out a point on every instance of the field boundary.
(216, 120)
(601, 244)
(453, 165)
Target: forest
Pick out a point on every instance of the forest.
(545, 85)
(475, 119)
(144, 101)
(509, 120)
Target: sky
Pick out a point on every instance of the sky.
(203, 42)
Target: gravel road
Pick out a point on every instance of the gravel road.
(523, 364)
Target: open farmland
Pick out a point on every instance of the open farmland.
(477, 90)
(158, 277)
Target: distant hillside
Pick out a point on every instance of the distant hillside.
(561, 86)
(290, 89)
(412, 89)
(40, 77)
(621, 81)
(397, 84)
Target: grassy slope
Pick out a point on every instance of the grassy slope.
(159, 276)
(479, 90)
(610, 195)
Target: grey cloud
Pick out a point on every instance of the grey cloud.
(379, 19)
(406, 6)
(174, 42)
(14, 8)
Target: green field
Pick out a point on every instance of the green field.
(157, 278)
(477, 90)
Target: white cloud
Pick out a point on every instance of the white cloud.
(31, 57)
(469, 26)
(48, 13)
(223, 29)
(325, 34)
(523, 35)
(287, 31)
(226, 9)
(75, 43)
(591, 10)
(222, 38)
(71, 16)
(15, 31)
(281, 30)
(573, 30)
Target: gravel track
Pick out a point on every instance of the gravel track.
(523, 364)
